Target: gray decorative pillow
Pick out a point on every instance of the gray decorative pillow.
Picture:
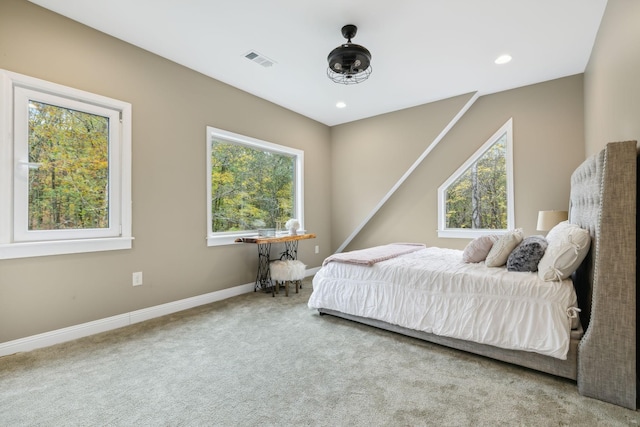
(527, 255)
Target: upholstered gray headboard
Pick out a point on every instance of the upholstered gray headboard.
(603, 201)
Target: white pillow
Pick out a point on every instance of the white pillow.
(501, 249)
(478, 249)
(567, 249)
(555, 234)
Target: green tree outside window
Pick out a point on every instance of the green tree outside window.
(69, 172)
(478, 198)
(250, 188)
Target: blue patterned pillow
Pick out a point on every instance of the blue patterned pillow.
(527, 255)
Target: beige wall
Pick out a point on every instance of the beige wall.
(369, 156)
(548, 145)
(348, 168)
(612, 78)
(172, 106)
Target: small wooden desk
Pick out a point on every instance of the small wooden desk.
(263, 278)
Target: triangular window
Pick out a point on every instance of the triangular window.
(478, 198)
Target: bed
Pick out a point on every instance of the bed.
(598, 350)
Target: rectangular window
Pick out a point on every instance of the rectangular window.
(68, 169)
(252, 184)
(65, 182)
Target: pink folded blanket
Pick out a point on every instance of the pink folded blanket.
(374, 254)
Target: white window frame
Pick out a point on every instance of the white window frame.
(467, 233)
(16, 241)
(228, 238)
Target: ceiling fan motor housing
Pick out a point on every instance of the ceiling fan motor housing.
(349, 58)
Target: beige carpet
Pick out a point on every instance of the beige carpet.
(255, 360)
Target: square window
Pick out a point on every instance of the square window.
(252, 184)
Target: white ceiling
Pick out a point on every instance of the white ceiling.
(422, 50)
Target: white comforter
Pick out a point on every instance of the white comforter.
(432, 290)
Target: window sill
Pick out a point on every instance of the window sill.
(228, 239)
(62, 247)
(467, 233)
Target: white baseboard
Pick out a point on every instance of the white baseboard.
(312, 271)
(102, 325)
(109, 323)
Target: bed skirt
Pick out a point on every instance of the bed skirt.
(551, 365)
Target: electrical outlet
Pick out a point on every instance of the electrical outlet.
(137, 278)
(317, 249)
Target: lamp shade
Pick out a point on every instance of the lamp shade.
(548, 219)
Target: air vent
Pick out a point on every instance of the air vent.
(259, 59)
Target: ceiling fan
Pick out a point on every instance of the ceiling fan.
(349, 63)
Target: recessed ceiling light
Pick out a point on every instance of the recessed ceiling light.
(341, 104)
(503, 59)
